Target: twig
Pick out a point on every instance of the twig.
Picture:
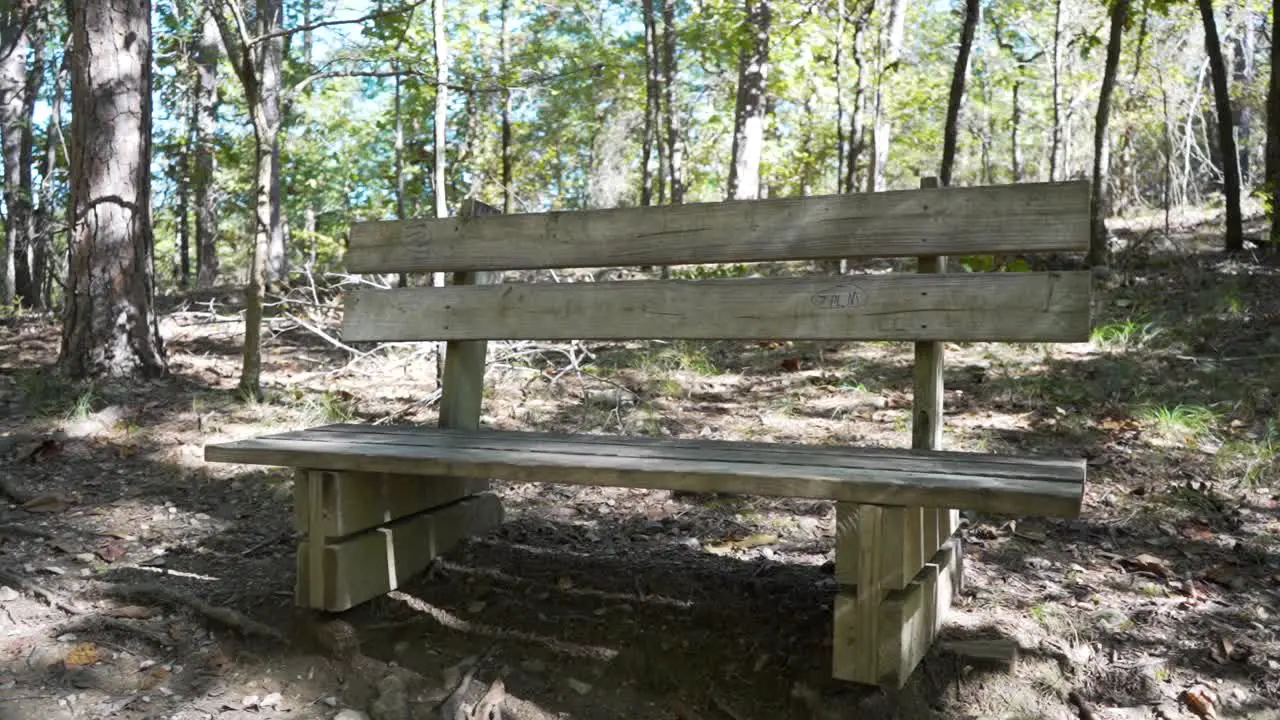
(223, 615)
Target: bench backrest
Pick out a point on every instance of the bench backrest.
(996, 306)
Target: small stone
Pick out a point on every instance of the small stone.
(330, 701)
(579, 687)
(164, 691)
(250, 701)
(349, 714)
(67, 638)
(8, 594)
(173, 510)
(86, 558)
(54, 570)
(146, 664)
(272, 701)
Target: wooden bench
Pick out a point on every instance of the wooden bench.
(378, 503)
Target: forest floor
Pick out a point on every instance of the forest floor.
(137, 581)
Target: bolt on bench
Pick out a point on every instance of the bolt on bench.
(378, 503)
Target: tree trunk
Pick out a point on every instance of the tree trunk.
(972, 9)
(17, 28)
(649, 142)
(1100, 205)
(1015, 118)
(441, 120)
(675, 148)
(856, 130)
(1234, 241)
(839, 70)
(271, 79)
(890, 52)
(1242, 76)
(207, 52)
(183, 179)
(1273, 126)
(109, 324)
(42, 271)
(749, 111)
(508, 192)
(1056, 134)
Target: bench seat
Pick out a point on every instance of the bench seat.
(942, 479)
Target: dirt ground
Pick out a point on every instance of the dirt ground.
(137, 581)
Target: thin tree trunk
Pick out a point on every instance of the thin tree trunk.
(649, 142)
(17, 27)
(1234, 240)
(109, 323)
(856, 130)
(675, 147)
(42, 271)
(750, 108)
(183, 179)
(1100, 205)
(1015, 119)
(441, 119)
(508, 192)
(271, 62)
(207, 54)
(890, 52)
(1056, 134)
(1242, 76)
(839, 69)
(972, 9)
(1273, 126)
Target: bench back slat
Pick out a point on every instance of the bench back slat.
(1023, 218)
(1013, 307)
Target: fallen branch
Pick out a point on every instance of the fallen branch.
(11, 578)
(225, 616)
(109, 624)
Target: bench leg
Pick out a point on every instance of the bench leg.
(365, 534)
(883, 626)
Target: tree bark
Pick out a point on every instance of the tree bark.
(1273, 126)
(1100, 205)
(1234, 241)
(207, 53)
(890, 52)
(42, 271)
(17, 42)
(1056, 134)
(109, 323)
(856, 129)
(1242, 76)
(1015, 119)
(441, 120)
(750, 108)
(972, 9)
(270, 88)
(183, 179)
(508, 192)
(675, 148)
(651, 106)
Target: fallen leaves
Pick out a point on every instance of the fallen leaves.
(1201, 700)
(751, 541)
(51, 503)
(1146, 562)
(83, 655)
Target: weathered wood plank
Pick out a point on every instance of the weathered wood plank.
(971, 307)
(1022, 218)
(871, 459)
(351, 502)
(906, 622)
(926, 406)
(866, 484)
(348, 572)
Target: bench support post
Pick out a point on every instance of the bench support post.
(366, 533)
(898, 567)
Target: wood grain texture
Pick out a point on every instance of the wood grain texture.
(931, 480)
(351, 502)
(1022, 218)
(370, 564)
(1015, 307)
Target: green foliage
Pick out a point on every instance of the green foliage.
(1189, 421)
(1124, 334)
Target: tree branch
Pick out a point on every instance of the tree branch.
(429, 78)
(329, 23)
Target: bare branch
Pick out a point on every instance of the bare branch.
(429, 78)
(329, 23)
